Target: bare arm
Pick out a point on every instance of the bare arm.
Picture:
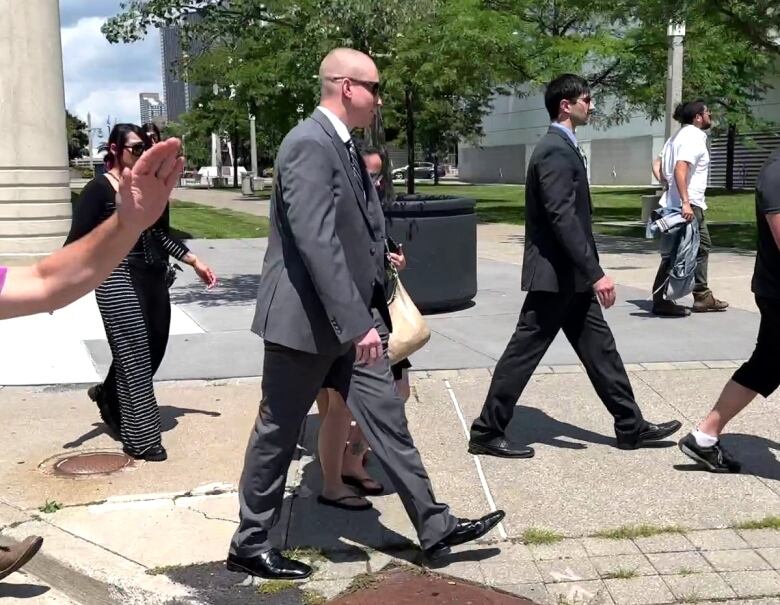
(657, 172)
(68, 273)
(79, 267)
(681, 170)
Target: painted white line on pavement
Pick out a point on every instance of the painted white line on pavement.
(477, 463)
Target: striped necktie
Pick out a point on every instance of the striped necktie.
(353, 160)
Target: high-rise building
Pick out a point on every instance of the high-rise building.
(179, 94)
(152, 108)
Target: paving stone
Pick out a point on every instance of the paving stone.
(736, 560)
(609, 565)
(772, 555)
(673, 563)
(567, 570)
(716, 539)
(509, 572)
(634, 367)
(567, 369)
(328, 588)
(721, 364)
(535, 592)
(656, 366)
(602, 547)
(639, 591)
(515, 552)
(761, 538)
(593, 592)
(689, 365)
(663, 543)
(695, 587)
(754, 583)
(543, 370)
(565, 549)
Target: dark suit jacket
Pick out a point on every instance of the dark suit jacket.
(560, 252)
(324, 266)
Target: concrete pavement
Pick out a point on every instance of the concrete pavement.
(152, 518)
(157, 533)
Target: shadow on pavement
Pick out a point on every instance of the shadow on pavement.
(169, 419)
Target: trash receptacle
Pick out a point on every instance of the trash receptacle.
(649, 203)
(247, 184)
(439, 236)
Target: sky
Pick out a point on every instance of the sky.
(101, 78)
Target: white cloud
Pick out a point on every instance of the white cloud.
(104, 79)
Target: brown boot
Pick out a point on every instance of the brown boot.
(666, 308)
(706, 301)
(14, 557)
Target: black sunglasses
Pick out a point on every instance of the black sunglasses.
(137, 149)
(372, 87)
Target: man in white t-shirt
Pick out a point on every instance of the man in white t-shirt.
(684, 169)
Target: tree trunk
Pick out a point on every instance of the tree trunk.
(235, 157)
(435, 168)
(409, 142)
(731, 140)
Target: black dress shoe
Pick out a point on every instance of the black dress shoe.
(465, 531)
(714, 458)
(500, 447)
(271, 565)
(650, 433)
(155, 453)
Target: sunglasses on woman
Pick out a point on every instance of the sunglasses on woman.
(137, 149)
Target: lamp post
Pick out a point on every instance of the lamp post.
(675, 34)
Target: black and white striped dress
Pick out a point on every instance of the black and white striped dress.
(135, 307)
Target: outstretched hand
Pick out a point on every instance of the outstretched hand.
(146, 188)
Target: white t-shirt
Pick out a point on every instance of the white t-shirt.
(688, 145)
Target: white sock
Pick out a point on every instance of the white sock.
(703, 439)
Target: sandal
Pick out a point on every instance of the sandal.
(339, 503)
(361, 485)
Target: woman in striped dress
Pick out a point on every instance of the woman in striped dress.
(134, 304)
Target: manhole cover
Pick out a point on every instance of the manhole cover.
(92, 463)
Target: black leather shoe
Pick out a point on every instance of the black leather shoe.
(650, 433)
(465, 531)
(500, 447)
(155, 453)
(271, 565)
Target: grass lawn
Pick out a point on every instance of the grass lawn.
(195, 221)
(505, 204)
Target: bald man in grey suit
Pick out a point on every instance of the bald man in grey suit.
(320, 309)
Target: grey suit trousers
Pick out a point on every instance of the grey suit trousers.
(291, 380)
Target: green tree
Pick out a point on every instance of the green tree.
(78, 137)
(430, 52)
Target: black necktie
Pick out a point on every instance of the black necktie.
(353, 160)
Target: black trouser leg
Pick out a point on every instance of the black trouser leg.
(540, 319)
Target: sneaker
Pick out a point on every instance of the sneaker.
(714, 458)
(13, 558)
(704, 302)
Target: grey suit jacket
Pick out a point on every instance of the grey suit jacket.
(324, 266)
(560, 252)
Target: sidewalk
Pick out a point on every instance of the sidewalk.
(209, 327)
(156, 518)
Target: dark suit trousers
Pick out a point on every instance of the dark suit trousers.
(542, 316)
(291, 380)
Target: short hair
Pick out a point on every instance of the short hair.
(565, 86)
(685, 113)
(368, 150)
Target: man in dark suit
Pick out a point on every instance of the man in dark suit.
(320, 309)
(565, 285)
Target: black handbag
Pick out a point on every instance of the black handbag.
(170, 274)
